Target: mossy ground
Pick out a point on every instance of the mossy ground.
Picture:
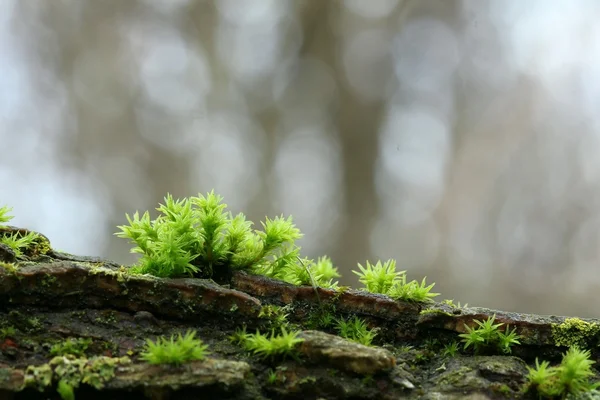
(51, 297)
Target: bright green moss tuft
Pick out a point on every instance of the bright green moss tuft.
(196, 236)
(175, 351)
(76, 347)
(487, 334)
(276, 346)
(384, 279)
(571, 377)
(4, 216)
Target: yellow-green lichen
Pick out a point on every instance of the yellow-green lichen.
(435, 311)
(575, 332)
(38, 377)
(122, 274)
(73, 371)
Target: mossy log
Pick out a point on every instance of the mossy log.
(47, 297)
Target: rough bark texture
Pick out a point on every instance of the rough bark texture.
(48, 296)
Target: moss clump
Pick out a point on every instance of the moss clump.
(487, 335)
(4, 216)
(275, 315)
(571, 377)
(356, 329)
(276, 346)
(196, 236)
(175, 351)
(575, 332)
(22, 243)
(76, 347)
(384, 279)
(65, 391)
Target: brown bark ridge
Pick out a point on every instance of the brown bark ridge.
(48, 297)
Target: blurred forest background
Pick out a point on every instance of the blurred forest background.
(460, 137)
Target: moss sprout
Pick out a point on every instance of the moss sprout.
(451, 349)
(4, 215)
(65, 390)
(356, 329)
(384, 279)
(76, 347)
(487, 334)
(276, 346)
(175, 351)
(571, 377)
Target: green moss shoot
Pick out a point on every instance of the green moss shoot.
(174, 351)
(384, 279)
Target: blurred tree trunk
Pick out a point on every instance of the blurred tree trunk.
(358, 125)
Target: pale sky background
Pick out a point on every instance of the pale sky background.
(478, 122)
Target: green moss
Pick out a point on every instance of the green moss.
(384, 279)
(275, 346)
(76, 347)
(450, 349)
(9, 267)
(48, 280)
(65, 391)
(196, 236)
(24, 324)
(405, 349)
(8, 331)
(40, 247)
(4, 215)
(35, 325)
(272, 377)
(450, 302)
(175, 351)
(322, 317)
(501, 388)
(487, 336)
(571, 377)
(575, 332)
(357, 330)
(276, 315)
(110, 318)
